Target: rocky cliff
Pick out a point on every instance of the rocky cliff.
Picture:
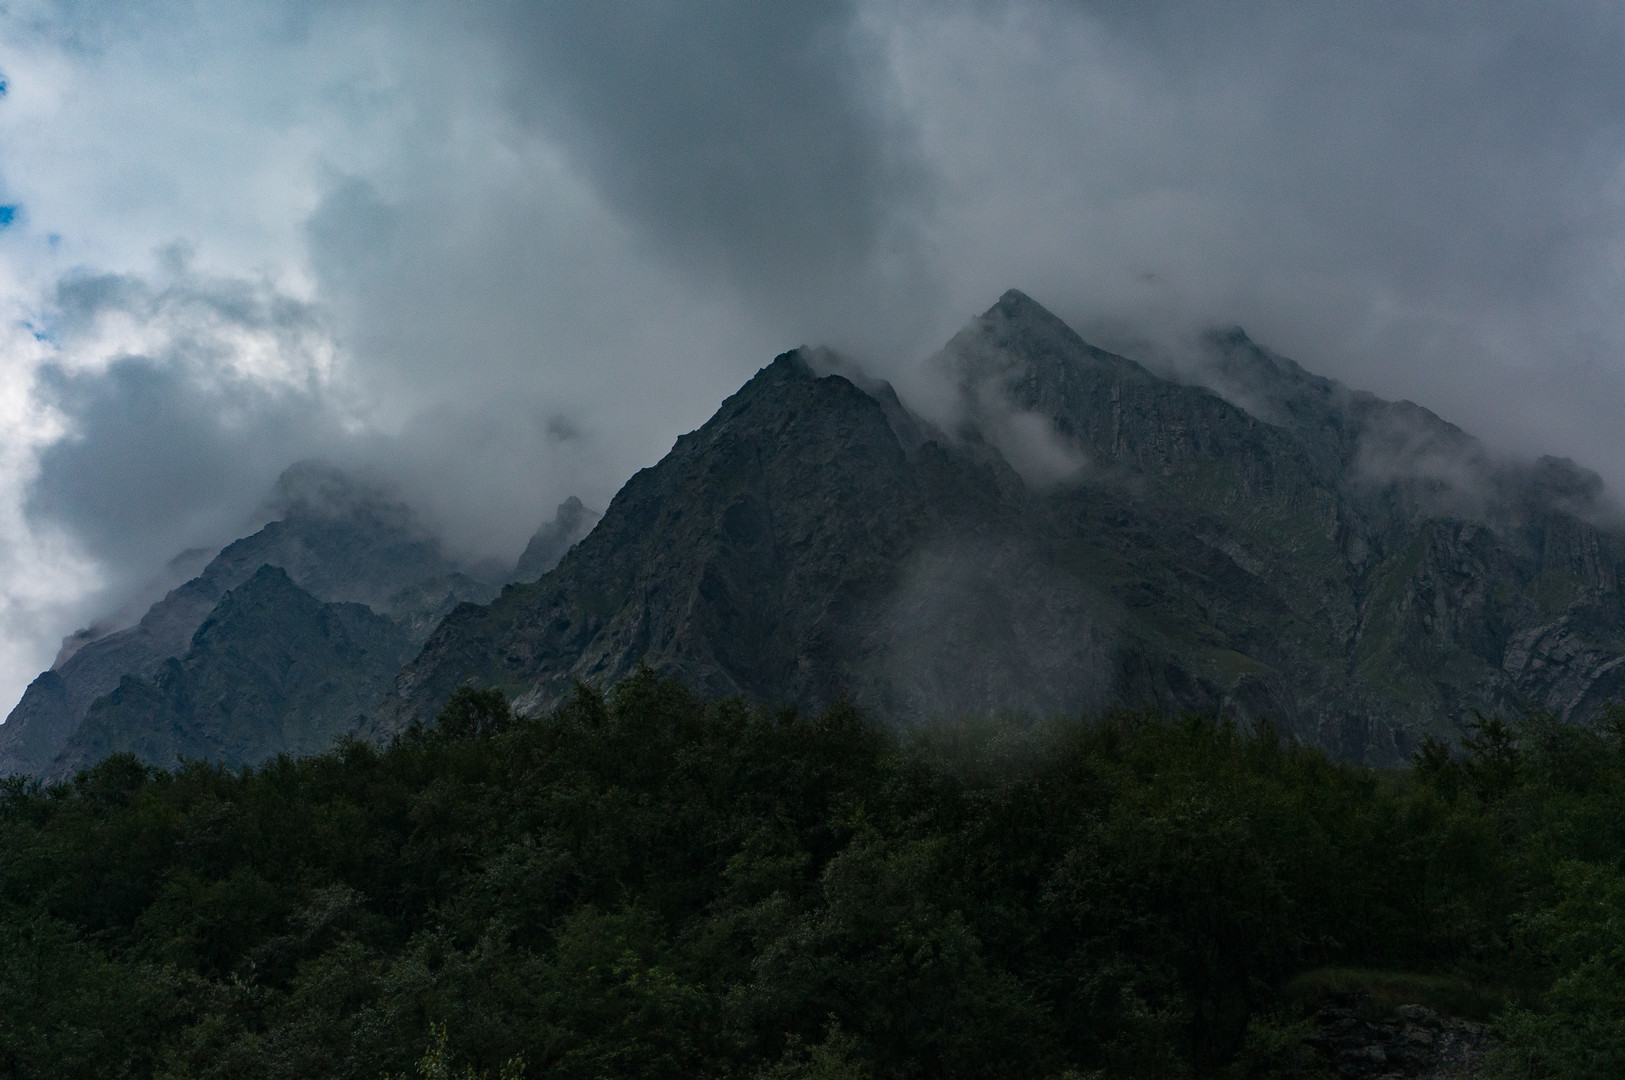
(1078, 532)
(570, 523)
(272, 670)
(337, 539)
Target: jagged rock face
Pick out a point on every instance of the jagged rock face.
(337, 540)
(794, 550)
(1411, 1041)
(1413, 564)
(1088, 533)
(751, 560)
(572, 521)
(797, 550)
(272, 670)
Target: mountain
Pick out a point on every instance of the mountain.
(747, 561)
(570, 523)
(336, 538)
(1057, 529)
(1075, 532)
(272, 670)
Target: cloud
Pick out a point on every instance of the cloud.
(976, 626)
(175, 398)
(158, 461)
(753, 140)
(181, 397)
(1416, 199)
(503, 253)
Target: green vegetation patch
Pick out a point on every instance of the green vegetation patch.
(644, 884)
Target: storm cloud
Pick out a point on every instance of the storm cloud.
(761, 142)
(501, 253)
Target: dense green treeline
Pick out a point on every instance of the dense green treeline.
(644, 885)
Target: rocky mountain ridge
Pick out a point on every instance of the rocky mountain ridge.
(272, 670)
(1088, 533)
(337, 539)
(1064, 531)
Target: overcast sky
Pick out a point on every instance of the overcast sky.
(499, 253)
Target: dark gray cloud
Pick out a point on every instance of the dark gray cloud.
(511, 345)
(1469, 156)
(759, 140)
(1424, 200)
(158, 461)
(178, 445)
(578, 206)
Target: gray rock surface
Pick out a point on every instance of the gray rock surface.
(1410, 1041)
(1085, 533)
(572, 521)
(337, 539)
(272, 670)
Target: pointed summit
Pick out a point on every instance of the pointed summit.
(570, 523)
(1018, 318)
(1016, 305)
(1026, 347)
(272, 670)
(1025, 382)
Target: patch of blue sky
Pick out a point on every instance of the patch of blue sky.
(8, 214)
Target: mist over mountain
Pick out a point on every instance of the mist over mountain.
(231, 240)
(336, 539)
(1069, 530)
(1041, 527)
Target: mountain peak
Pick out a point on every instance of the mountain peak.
(793, 364)
(570, 523)
(1014, 300)
(785, 370)
(1017, 355)
(1020, 333)
(1017, 306)
(272, 670)
(320, 491)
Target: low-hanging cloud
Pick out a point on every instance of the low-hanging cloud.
(155, 456)
(1416, 199)
(178, 398)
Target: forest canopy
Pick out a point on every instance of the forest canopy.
(644, 884)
